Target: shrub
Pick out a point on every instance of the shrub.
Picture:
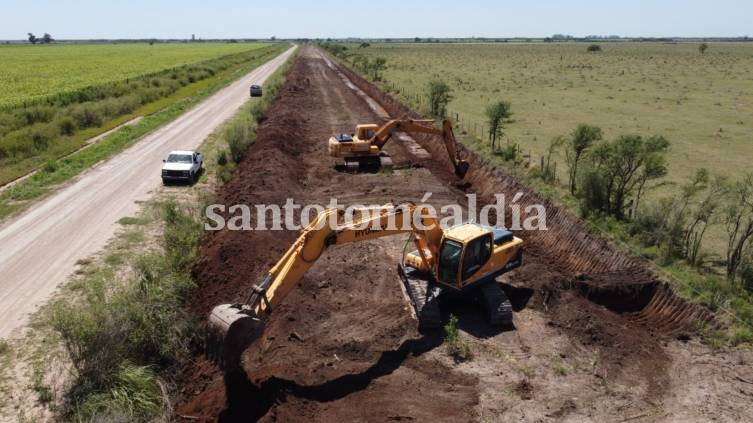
(222, 158)
(38, 114)
(594, 48)
(459, 350)
(67, 126)
(41, 136)
(238, 139)
(439, 95)
(509, 153)
(87, 116)
(134, 396)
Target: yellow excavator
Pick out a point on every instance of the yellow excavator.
(465, 259)
(363, 149)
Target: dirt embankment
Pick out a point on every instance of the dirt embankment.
(343, 345)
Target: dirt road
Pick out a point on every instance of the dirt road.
(595, 338)
(39, 249)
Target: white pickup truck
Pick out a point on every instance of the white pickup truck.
(182, 165)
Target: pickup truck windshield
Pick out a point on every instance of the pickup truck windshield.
(179, 158)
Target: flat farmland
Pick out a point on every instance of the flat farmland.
(29, 72)
(702, 103)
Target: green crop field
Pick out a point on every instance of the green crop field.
(28, 72)
(702, 103)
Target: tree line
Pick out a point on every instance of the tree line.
(46, 38)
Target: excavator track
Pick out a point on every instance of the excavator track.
(498, 306)
(424, 297)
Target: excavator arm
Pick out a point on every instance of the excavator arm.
(321, 233)
(384, 133)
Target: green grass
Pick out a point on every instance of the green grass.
(644, 88)
(32, 72)
(19, 196)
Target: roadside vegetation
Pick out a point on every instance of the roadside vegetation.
(121, 324)
(42, 129)
(60, 170)
(633, 172)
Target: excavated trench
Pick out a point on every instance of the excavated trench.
(342, 346)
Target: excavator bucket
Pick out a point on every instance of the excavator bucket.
(461, 169)
(232, 328)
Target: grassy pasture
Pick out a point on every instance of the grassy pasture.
(28, 72)
(702, 103)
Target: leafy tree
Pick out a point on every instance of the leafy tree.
(738, 221)
(549, 169)
(702, 217)
(594, 48)
(581, 139)
(47, 38)
(703, 47)
(377, 65)
(498, 114)
(440, 95)
(617, 169)
(32, 38)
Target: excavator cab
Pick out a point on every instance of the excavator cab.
(365, 132)
(469, 259)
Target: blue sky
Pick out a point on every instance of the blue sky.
(80, 19)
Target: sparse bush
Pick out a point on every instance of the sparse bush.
(238, 139)
(134, 396)
(741, 334)
(87, 116)
(67, 126)
(459, 350)
(439, 96)
(37, 114)
(41, 136)
(509, 153)
(498, 114)
(579, 142)
(50, 167)
(222, 158)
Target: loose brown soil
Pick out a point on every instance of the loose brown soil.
(595, 335)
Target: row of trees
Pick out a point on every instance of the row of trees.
(611, 178)
(370, 66)
(46, 38)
